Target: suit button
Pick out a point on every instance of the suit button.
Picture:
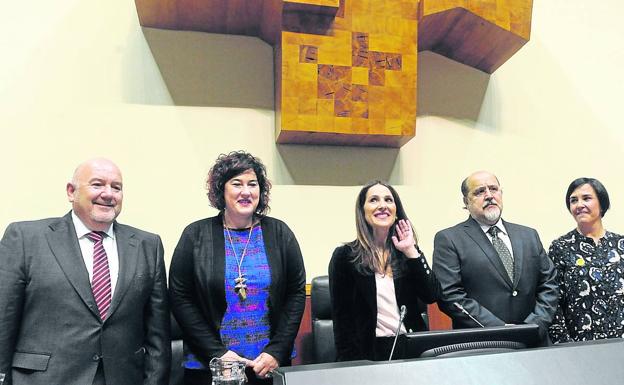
(515, 293)
(95, 357)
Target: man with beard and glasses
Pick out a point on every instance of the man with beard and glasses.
(83, 298)
(496, 270)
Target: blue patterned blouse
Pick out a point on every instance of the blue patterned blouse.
(245, 324)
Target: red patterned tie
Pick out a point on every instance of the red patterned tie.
(101, 283)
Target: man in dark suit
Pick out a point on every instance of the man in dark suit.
(496, 270)
(83, 298)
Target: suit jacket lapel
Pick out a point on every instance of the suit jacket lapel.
(63, 242)
(474, 231)
(518, 251)
(368, 287)
(397, 287)
(127, 250)
(213, 260)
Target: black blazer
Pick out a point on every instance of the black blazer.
(354, 302)
(197, 287)
(472, 274)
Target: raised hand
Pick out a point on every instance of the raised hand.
(404, 239)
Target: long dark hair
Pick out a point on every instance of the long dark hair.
(363, 250)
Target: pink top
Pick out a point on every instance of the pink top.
(387, 308)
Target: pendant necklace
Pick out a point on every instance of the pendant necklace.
(240, 287)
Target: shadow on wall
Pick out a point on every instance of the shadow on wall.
(202, 69)
(450, 89)
(338, 165)
(211, 70)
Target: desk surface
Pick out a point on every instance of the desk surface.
(589, 363)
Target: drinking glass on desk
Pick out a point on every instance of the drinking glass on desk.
(226, 372)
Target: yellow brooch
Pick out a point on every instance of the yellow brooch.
(580, 262)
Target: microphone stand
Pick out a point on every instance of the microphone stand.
(396, 335)
(461, 308)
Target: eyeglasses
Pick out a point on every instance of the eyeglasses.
(480, 191)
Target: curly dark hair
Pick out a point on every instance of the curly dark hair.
(226, 167)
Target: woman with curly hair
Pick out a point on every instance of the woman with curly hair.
(237, 280)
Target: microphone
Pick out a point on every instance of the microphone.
(461, 308)
(396, 335)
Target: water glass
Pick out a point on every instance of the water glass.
(227, 372)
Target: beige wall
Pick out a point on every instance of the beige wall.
(78, 79)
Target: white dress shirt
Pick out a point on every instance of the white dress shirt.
(86, 247)
(502, 234)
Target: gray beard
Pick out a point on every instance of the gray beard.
(492, 216)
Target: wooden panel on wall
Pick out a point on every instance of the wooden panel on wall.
(437, 319)
(326, 7)
(346, 70)
(304, 343)
(481, 34)
(348, 78)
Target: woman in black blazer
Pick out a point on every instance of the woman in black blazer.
(371, 277)
(237, 280)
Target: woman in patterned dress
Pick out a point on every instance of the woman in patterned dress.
(237, 280)
(590, 270)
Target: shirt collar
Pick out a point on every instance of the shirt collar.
(82, 229)
(498, 224)
(606, 235)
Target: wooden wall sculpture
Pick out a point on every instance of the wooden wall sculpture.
(346, 70)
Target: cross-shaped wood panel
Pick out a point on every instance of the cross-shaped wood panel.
(346, 70)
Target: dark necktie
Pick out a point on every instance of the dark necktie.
(503, 251)
(101, 282)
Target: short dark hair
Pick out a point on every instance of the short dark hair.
(226, 167)
(599, 188)
(464, 187)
